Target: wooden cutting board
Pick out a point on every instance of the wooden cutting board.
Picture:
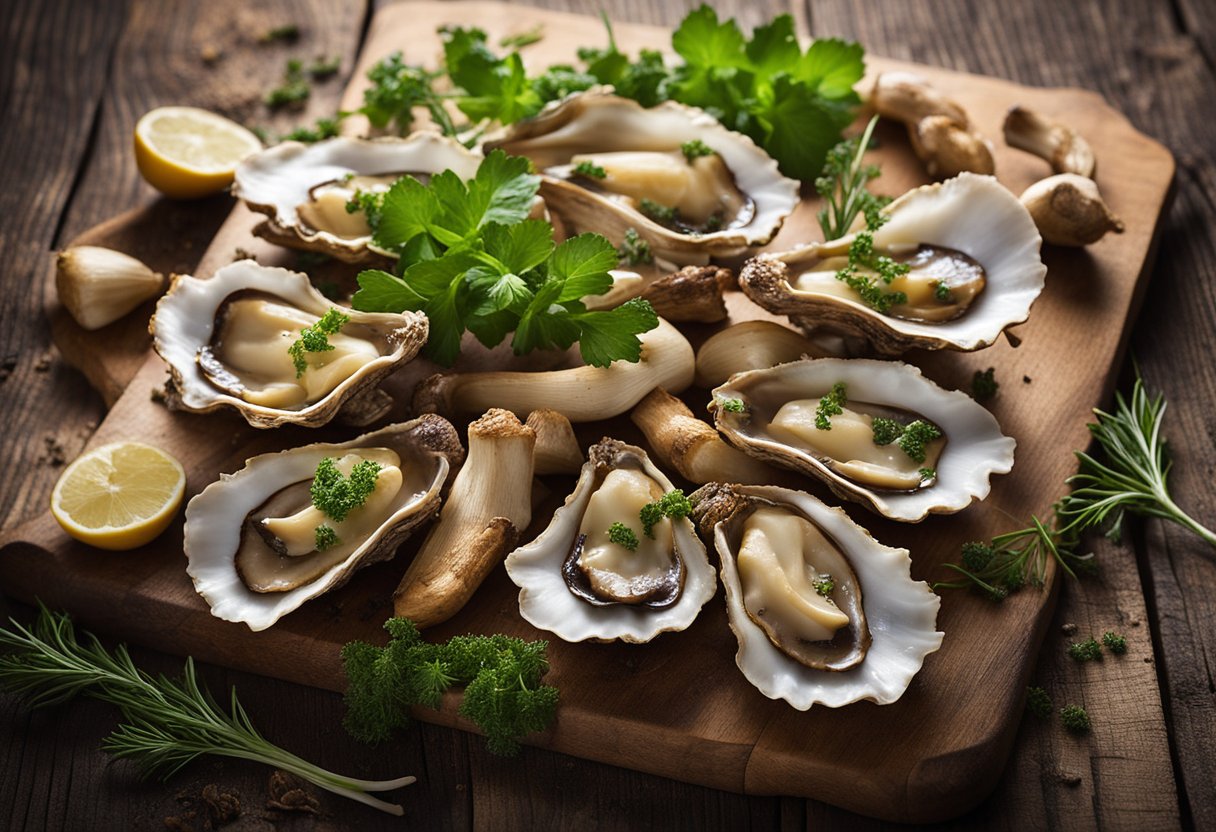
(677, 706)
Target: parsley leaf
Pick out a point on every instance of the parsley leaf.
(830, 405)
(673, 504)
(622, 535)
(612, 335)
(315, 338)
(337, 495)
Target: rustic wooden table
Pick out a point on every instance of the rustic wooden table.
(76, 75)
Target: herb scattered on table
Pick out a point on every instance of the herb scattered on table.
(1086, 651)
(294, 90)
(1038, 702)
(288, 33)
(323, 68)
(519, 41)
(673, 504)
(503, 694)
(1115, 643)
(984, 384)
(1075, 719)
(315, 338)
(166, 722)
(471, 260)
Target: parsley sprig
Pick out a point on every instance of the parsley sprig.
(315, 338)
(471, 260)
(622, 535)
(673, 504)
(843, 185)
(337, 495)
(166, 722)
(831, 404)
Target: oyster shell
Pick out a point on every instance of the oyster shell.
(303, 188)
(639, 150)
(226, 554)
(571, 581)
(898, 614)
(196, 327)
(971, 448)
(951, 226)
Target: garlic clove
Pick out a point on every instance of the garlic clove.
(99, 285)
(1068, 210)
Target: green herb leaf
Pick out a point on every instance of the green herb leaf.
(1115, 643)
(695, 149)
(380, 291)
(315, 338)
(622, 535)
(337, 495)
(590, 170)
(612, 334)
(916, 436)
(1075, 719)
(824, 585)
(1038, 702)
(831, 405)
(984, 384)
(634, 250)
(673, 504)
(583, 263)
(885, 430)
(326, 538)
(731, 405)
(1086, 651)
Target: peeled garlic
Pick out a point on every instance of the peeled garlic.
(1069, 211)
(100, 285)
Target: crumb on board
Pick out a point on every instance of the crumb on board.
(288, 793)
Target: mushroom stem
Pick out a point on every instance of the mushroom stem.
(490, 503)
(941, 133)
(693, 447)
(1068, 210)
(751, 345)
(557, 450)
(1052, 141)
(694, 293)
(581, 394)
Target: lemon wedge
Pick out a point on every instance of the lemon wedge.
(119, 496)
(186, 153)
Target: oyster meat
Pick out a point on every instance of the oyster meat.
(581, 579)
(227, 342)
(974, 269)
(609, 165)
(876, 432)
(824, 614)
(256, 546)
(304, 188)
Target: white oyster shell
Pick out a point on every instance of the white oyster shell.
(547, 603)
(214, 518)
(901, 615)
(276, 181)
(185, 320)
(975, 448)
(970, 213)
(599, 121)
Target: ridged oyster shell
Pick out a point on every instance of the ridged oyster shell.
(975, 448)
(215, 517)
(901, 613)
(276, 181)
(970, 213)
(185, 321)
(545, 600)
(599, 121)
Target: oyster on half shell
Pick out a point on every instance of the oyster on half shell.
(580, 584)
(250, 540)
(973, 250)
(777, 423)
(226, 341)
(723, 202)
(885, 623)
(304, 188)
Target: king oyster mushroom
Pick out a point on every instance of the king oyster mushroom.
(579, 584)
(251, 539)
(226, 341)
(719, 203)
(973, 250)
(938, 467)
(304, 188)
(824, 614)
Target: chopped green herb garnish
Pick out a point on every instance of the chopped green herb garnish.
(622, 535)
(1014, 559)
(824, 585)
(503, 693)
(289, 33)
(714, 223)
(325, 128)
(315, 338)
(886, 430)
(326, 538)
(926, 474)
(864, 264)
(1075, 719)
(673, 504)
(1038, 702)
(695, 149)
(731, 405)
(337, 495)
(323, 68)
(294, 90)
(659, 213)
(634, 250)
(942, 292)
(1086, 651)
(1115, 643)
(984, 384)
(842, 184)
(533, 35)
(830, 405)
(369, 202)
(916, 436)
(396, 89)
(590, 170)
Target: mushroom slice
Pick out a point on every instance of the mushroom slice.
(896, 467)
(1054, 142)
(609, 165)
(973, 250)
(251, 540)
(304, 188)
(581, 580)
(227, 342)
(863, 637)
(942, 135)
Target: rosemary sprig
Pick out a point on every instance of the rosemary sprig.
(167, 722)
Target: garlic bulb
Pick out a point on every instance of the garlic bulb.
(100, 285)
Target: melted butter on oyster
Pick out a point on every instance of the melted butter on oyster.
(601, 571)
(849, 444)
(248, 355)
(940, 286)
(326, 210)
(702, 190)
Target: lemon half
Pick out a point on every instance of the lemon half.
(186, 153)
(119, 496)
